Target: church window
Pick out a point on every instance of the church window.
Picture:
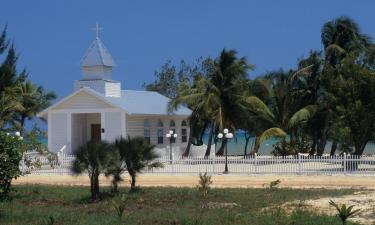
(146, 131)
(183, 131)
(160, 132)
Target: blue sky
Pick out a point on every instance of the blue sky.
(52, 36)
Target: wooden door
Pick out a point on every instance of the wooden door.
(96, 132)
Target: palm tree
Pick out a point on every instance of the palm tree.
(33, 99)
(341, 36)
(137, 155)
(9, 105)
(344, 212)
(282, 112)
(95, 158)
(217, 97)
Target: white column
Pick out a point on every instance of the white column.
(49, 128)
(69, 131)
(123, 125)
(102, 124)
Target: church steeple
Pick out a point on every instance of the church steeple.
(97, 62)
(96, 65)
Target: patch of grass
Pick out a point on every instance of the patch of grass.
(34, 204)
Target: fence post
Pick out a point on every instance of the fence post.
(345, 163)
(173, 162)
(213, 164)
(255, 163)
(299, 163)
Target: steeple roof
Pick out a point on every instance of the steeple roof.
(97, 55)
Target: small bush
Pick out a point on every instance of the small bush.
(273, 184)
(120, 205)
(285, 148)
(344, 213)
(204, 183)
(10, 158)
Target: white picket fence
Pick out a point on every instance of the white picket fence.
(250, 165)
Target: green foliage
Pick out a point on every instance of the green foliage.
(135, 155)
(285, 148)
(95, 158)
(20, 99)
(10, 158)
(120, 205)
(344, 212)
(204, 184)
(161, 206)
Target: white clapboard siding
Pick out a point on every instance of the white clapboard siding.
(135, 127)
(83, 100)
(113, 125)
(59, 134)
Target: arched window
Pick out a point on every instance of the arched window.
(160, 132)
(146, 131)
(183, 131)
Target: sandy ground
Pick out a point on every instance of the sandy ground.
(233, 181)
(363, 200)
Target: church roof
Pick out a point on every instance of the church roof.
(145, 102)
(132, 102)
(97, 55)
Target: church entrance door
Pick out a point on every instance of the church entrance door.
(95, 132)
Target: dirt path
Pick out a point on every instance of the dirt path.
(363, 200)
(333, 182)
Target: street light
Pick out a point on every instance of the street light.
(172, 137)
(225, 137)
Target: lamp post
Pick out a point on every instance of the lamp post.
(225, 136)
(172, 136)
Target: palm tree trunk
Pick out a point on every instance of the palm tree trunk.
(94, 185)
(188, 147)
(247, 139)
(333, 148)
(256, 145)
(212, 131)
(133, 180)
(314, 144)
(321, 146)
(220, 152)
(22, 125)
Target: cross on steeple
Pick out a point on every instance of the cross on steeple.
(97, 29)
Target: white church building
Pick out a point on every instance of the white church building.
(98, 109)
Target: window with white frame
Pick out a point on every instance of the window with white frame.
(146, 131)
(160, 132)
(183, 131)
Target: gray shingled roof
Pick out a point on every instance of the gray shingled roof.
(145, 102)
(97, 55)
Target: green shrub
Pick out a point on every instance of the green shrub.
(344, 213)
(120, 205)
(204, 183)
(10, 158)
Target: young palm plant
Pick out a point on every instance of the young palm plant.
(136, 155)
(95, 158)
(344, 212)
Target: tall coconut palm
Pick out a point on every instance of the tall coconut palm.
(341, 36)
(33, 99)
(282, 113)
(9, 105)
(216, 98)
